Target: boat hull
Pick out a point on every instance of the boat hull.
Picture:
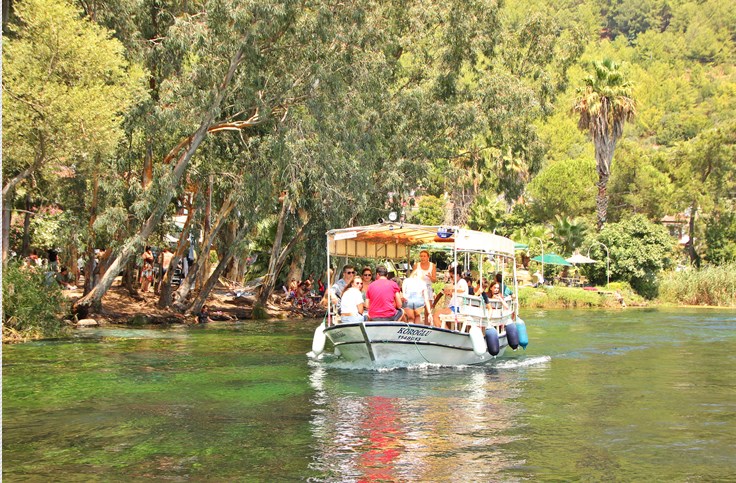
(398, 342)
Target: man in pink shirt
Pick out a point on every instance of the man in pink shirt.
(383, 298)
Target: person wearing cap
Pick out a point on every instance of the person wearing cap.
(383, 298)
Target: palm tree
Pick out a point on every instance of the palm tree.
(604, 105)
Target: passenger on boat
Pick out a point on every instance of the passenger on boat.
(366, 276)
(450, 295)
(384, 298)
(505, 289)
(417, 299)
(352, 307)
(428, 271)
(495, 291)
(348, 274)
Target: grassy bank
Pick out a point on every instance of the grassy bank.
(568, 298)
(714, 286)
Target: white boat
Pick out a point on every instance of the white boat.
(475, 335)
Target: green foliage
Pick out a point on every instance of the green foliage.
(485, 214)
(639, 250)
(66, 85)
(720, 236)
(32, 304)
(430, 211)
(711, 285)
(566, 188)
(569, 233)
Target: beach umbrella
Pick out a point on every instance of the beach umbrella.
(552, 259)
(578, 258)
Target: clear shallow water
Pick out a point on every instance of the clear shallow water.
(635, 395)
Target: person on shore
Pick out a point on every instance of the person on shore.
(62, 278)
(417, 299)
(203, 316)
(352, 308)
(383, 298)
(146, 269)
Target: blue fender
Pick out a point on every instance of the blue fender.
(523, 337)
(512, 335)
(494, 347)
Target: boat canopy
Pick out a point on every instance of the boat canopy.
(393, 240)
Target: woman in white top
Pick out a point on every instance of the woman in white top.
(351, 303)
(417, 299)
(428, 272)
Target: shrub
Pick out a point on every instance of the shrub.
(711, 285)
(32, 308)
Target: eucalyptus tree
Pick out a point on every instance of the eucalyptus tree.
(66, 85)
(604, 105)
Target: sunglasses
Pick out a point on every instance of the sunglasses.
(358, 283)
(367, 274)
(349, 272)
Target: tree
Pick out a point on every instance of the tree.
(639, 250)
(66, 85)
(604, 105)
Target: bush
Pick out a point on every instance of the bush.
(639, 250)
(711, 285)
(31, 308)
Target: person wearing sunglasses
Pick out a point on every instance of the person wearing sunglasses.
(348, 274)
(366, 276)
(351, 304)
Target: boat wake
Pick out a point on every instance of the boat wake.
(517, 363)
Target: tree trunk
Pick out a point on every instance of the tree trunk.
(205, 259)
(136, 242)
(181, 247)
(601, 202)
(26, 249)
(7, 215)
(296, 267)
(271, 274)
(130, 276)
(278, 256)
(181, 294)
(694, 257)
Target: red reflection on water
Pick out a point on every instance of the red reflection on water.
(383, 440)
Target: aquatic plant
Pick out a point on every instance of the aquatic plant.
(710, 285)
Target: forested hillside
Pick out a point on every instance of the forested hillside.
(263, 123)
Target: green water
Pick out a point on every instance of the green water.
(634, 395)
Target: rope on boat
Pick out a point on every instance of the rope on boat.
(417, 346)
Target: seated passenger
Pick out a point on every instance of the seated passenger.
(505, 289)
(495, 294)
(352, 306)
(383, 298)
(451, 293)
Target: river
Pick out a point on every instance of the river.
(631, 395)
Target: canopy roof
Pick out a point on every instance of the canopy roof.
(552, 259)
(578, 258)
(393, 240)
